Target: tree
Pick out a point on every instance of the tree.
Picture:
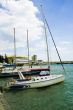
(6, 59)
(1, 59)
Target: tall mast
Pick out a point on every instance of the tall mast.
(6, 1)
(53, 40)
(28, 47)
(47, 47)
(14, 47)
(46, 39)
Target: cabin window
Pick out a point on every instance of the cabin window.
(33, 79)
(41, 78)
(44, 72)
(37, 79)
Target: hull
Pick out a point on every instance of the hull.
(17, 87)
(41, 82)
(46, 83)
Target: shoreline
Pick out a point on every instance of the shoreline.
(1, 102)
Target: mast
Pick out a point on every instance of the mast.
(46, 39)
(14, 47)
(28, 47)
(6, 1)
(53, 40)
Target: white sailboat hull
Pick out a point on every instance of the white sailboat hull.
(41, 81)
(46, 82)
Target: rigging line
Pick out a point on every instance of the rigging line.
(53, 40)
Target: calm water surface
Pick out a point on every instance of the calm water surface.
(56, 97)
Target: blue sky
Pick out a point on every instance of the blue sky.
(25, 14)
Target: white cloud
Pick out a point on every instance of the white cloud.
(65, 50)
(20, 14)
(65, 42)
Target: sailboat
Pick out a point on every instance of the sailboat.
(44, 78)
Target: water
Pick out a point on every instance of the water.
(56, 97)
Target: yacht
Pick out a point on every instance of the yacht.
(42, 80)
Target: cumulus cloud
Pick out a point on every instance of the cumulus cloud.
(21, 14)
